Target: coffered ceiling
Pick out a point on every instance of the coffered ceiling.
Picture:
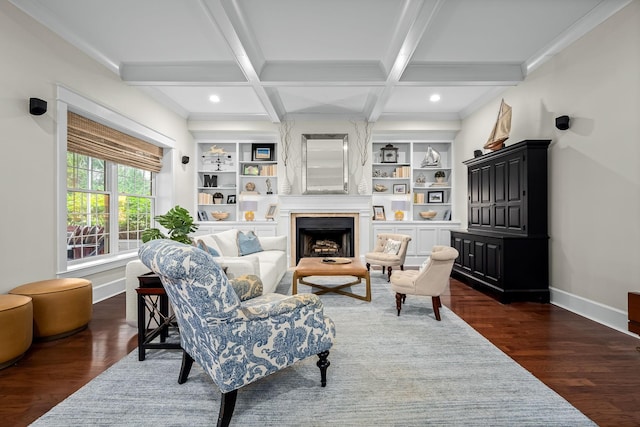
(331, 59)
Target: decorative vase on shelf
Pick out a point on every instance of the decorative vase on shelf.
(363, 186)
(285, 186)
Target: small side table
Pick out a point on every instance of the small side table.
(153, 301)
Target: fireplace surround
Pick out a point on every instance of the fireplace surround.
(356, 208)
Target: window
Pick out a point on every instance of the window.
(109, 184)
(110, 169)
(89, 205)
(135, 205)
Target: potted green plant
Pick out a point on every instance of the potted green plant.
(177, 221)
(439, 176)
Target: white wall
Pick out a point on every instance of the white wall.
(594, 176)
(34, 61)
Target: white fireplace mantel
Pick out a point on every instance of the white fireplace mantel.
(330, 204)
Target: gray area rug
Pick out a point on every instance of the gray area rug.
(385, 371)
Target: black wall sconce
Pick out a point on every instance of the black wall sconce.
(185, 160)
(37, 106)
(562, 122)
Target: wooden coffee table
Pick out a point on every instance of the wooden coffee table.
(308, 267)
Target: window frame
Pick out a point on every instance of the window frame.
(68, 100)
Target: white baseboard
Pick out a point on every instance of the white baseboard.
(107, 290)
(603, 314)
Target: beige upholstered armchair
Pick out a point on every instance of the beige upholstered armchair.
(430, 280)
(389, 251)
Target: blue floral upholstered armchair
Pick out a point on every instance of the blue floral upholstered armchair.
(236, 334)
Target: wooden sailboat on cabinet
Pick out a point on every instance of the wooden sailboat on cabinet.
(501, 129)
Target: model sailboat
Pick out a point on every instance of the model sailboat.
(501, 129)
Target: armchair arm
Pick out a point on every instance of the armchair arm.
(263, 308)
(247, 286)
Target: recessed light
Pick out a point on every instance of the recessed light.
(434, 98)
(214, 98)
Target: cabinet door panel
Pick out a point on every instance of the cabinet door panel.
(427, 239)
(500, 190)
(515, 179)
(474, 186)
(515, 193)
(485, 218)
(456, 243)
(492, 262)
(467, 254)
(485, 186)
(409, 231)
(474, 215)
(479, 254)
(500, 217)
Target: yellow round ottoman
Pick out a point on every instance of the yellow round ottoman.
(16, 332)
(61, 307)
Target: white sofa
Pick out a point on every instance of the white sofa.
(270, 264)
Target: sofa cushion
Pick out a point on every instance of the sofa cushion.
(248, 243)
(202, 245)
(211, 242)
(227, 242)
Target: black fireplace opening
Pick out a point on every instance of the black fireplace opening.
(324, 237)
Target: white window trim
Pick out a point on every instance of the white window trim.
(68, 100)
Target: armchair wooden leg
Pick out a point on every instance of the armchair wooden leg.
(323, 364)
(400, 298)
(368, 266)
(436, 306)
(187, 362)
(227, 405)
(388, 274)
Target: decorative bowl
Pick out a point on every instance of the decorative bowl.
(380, 188)
(428, 214)
(219, 216)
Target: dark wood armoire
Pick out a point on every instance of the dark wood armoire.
(505, 249)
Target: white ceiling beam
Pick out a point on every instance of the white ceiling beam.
(462, 74)
(325, 73)
(224, 14)
(421, 22)
(182, 73)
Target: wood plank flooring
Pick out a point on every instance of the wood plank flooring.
(594, 367)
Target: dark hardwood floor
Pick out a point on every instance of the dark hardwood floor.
(594, 367)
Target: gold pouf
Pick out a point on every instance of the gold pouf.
(61, 307)
(16, 333)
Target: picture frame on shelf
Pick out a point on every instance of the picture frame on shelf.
(271, 211)
(262, 152)
(389, 154)
(203, 216)
(251, 170)
(435, 197)
(447, 215)
(399, 188)
(231, 199)
(378, 213)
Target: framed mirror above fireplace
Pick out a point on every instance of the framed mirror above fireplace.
(325, 163)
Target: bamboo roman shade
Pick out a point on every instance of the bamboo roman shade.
(84, 136)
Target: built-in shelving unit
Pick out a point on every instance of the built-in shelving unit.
(411, 180)
(230, 172)
(406, 177)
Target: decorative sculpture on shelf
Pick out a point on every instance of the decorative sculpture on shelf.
(431, 158)
(268, 182)
(501, 129)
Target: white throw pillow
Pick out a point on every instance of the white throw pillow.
(392, 247)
